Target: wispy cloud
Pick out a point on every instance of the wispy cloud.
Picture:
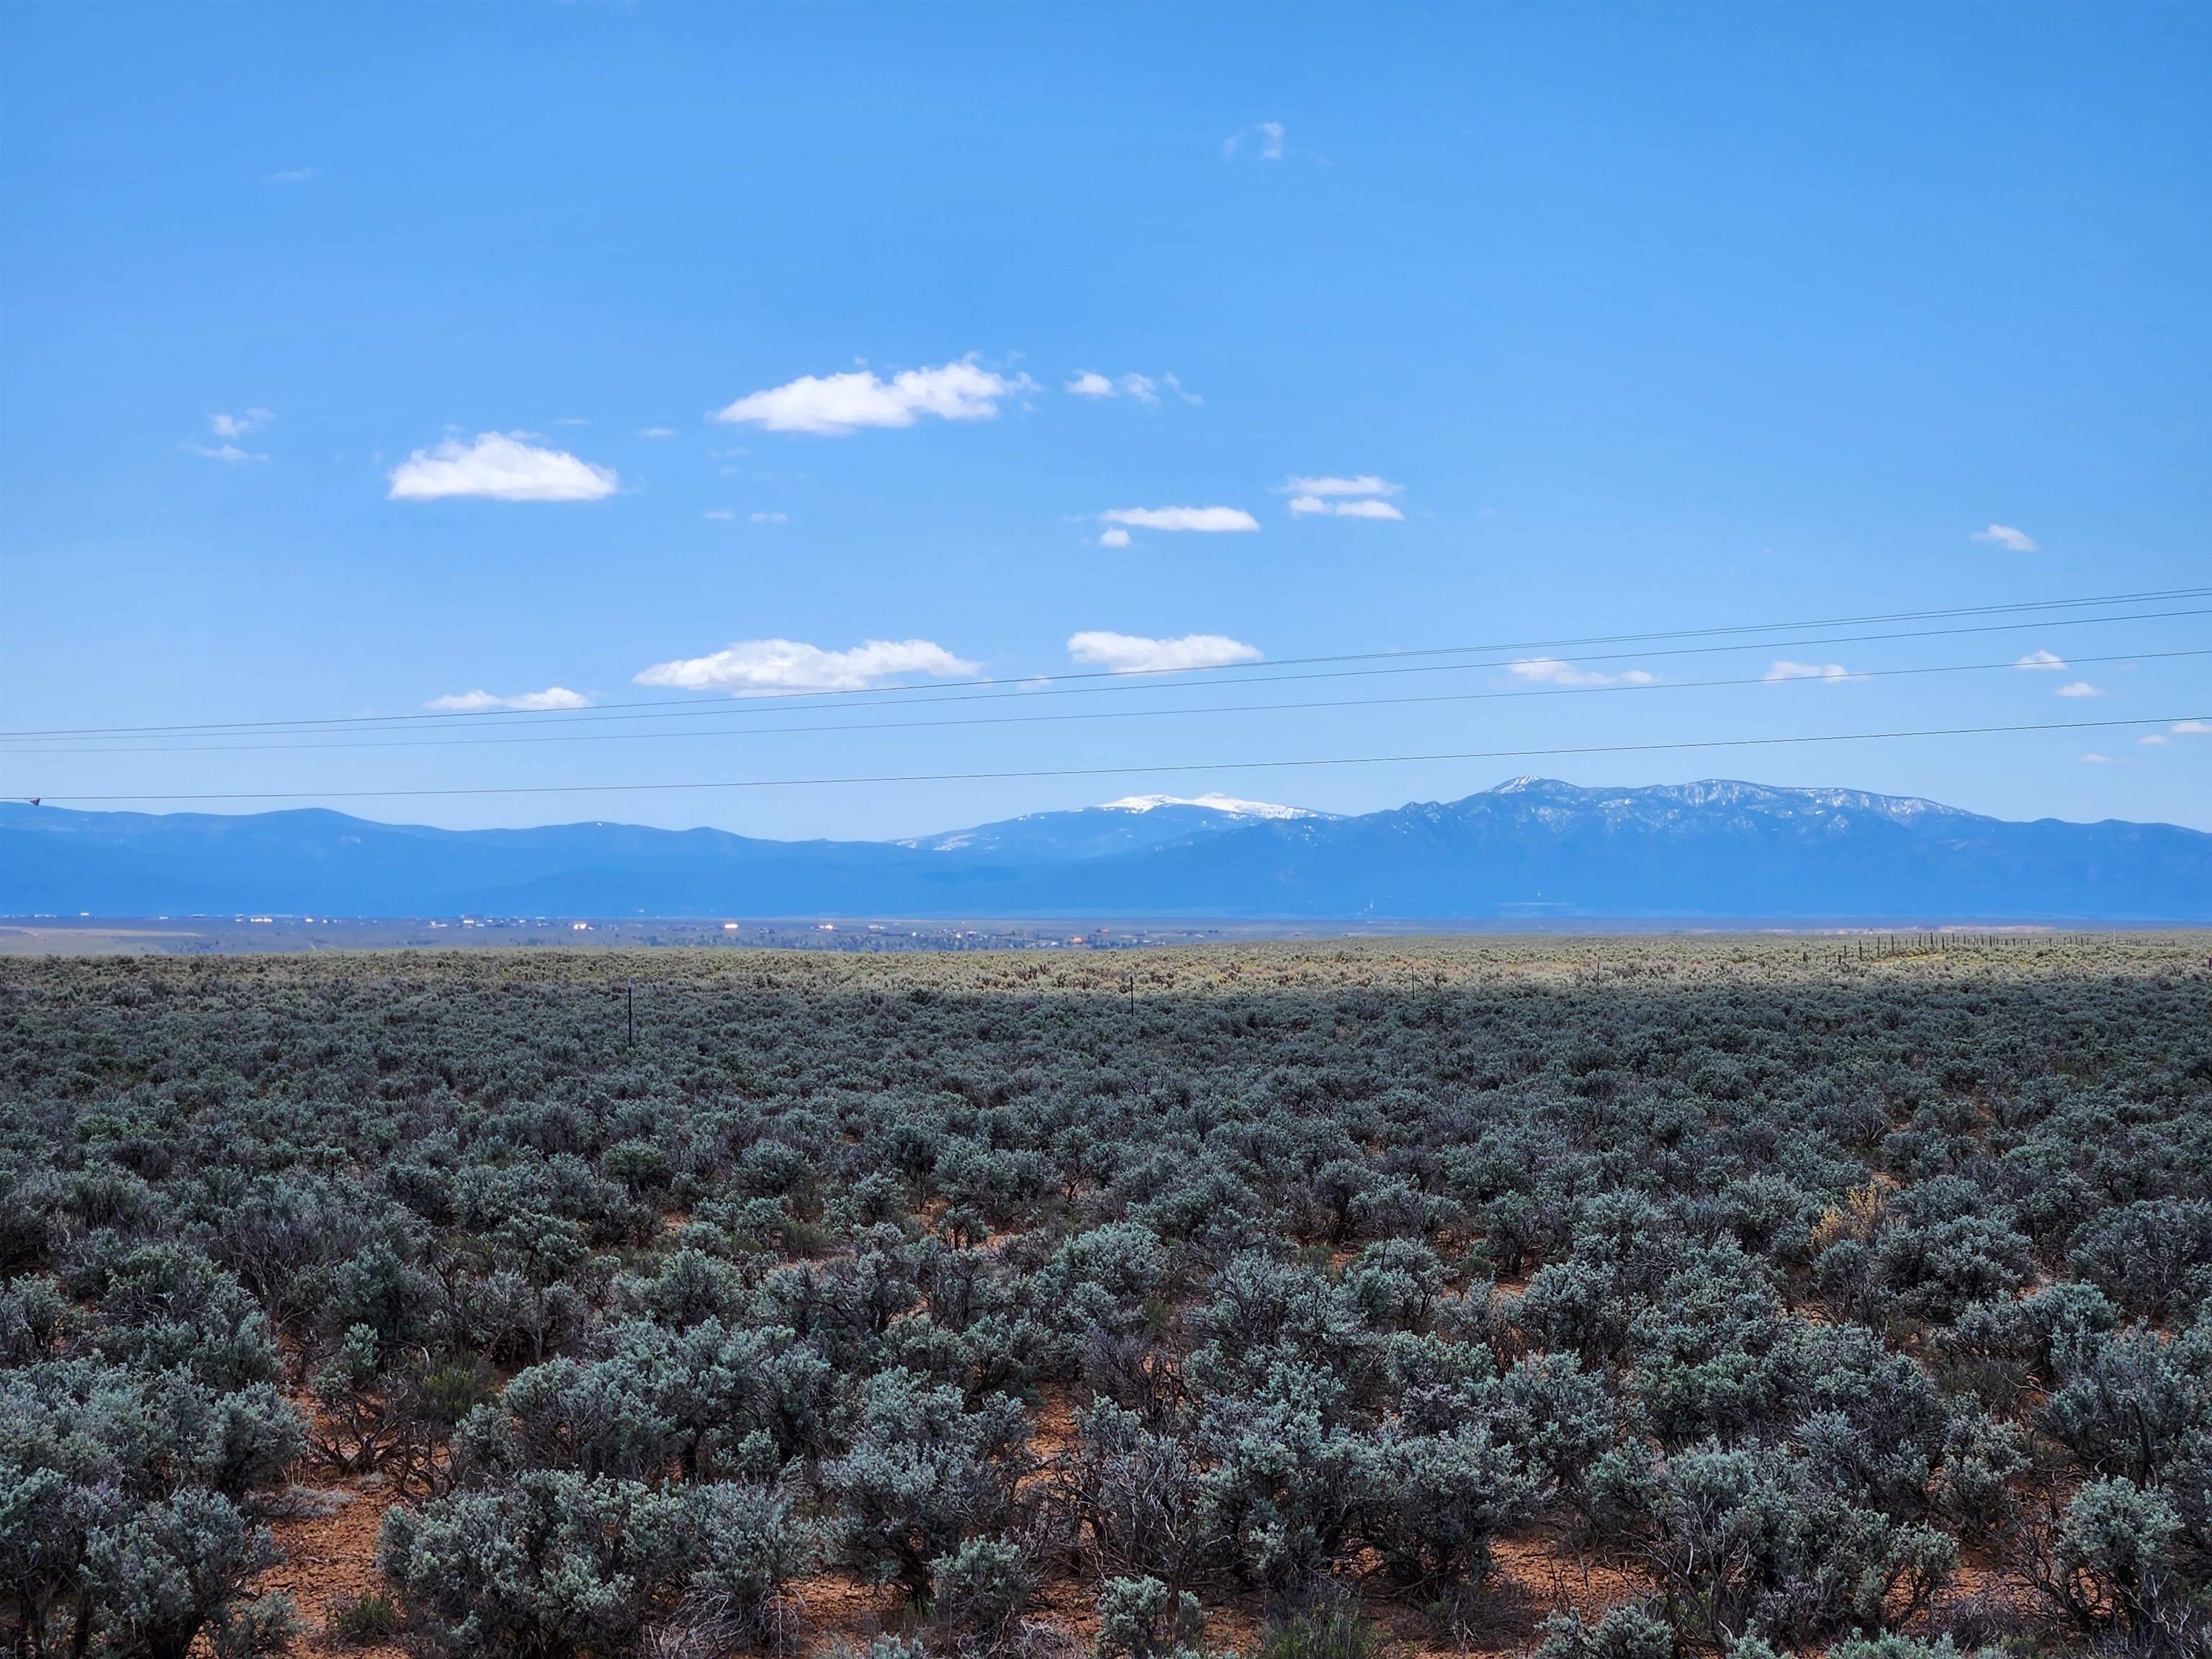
(2093, 759)
(1365, 483)
(229, 428)
(238, 426)
(767, 518)
(2191, 728)
(1265, 137)
(1141, 389)
(1308, 506)
(2042, 662)
(2079, 689)
(2153, 739)
(292, 175)
(1550, 671)
(750, 667)
(473, 702)
(500, 466)
(1208, 520)
(1331, 495)
(834, 405)
(1125, 654)
(657, 432)
(1780, 670)
(721, 513)
(1117, 537)
(2004, 536)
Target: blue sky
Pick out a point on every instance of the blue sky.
(1606, 320)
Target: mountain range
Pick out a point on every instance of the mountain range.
(1530, 849)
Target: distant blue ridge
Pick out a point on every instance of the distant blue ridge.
(1532, 848)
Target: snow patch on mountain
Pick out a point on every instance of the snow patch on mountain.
(1661, 802)
(1212, 802)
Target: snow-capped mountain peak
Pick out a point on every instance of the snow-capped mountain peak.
(1230, 804)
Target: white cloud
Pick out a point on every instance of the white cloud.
(2079, 689)
(767, 518)
(2191, 728)
(1550, 671)
(1325, 494)
(500, 467)
(832, 405)
(2042, 662)
(754, 667)
(657, 432)
(1365, 483)
(1138, 388)
(1305, 505)
(2156, 740)
(721, 513)
(1268, 135)
(2093, 759)
(238, 426)
(229, 427)
(1807, 671)
(1206, 519)
(1133, 654)
(2015, 541)
(292, 175)
(1116, 538)
(472, 703)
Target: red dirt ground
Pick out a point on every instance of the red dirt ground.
(327, 1557)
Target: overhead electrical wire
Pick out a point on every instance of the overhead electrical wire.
(1131, 770)
(727, 707)
(1337, 703)
(1245, 672)
(746, 707)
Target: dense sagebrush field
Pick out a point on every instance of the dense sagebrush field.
(1602, 1297)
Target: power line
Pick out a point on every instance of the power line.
(1126, 771)
(722, 708)
(1024, 690)
(1020, 685)
(1100, 714)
